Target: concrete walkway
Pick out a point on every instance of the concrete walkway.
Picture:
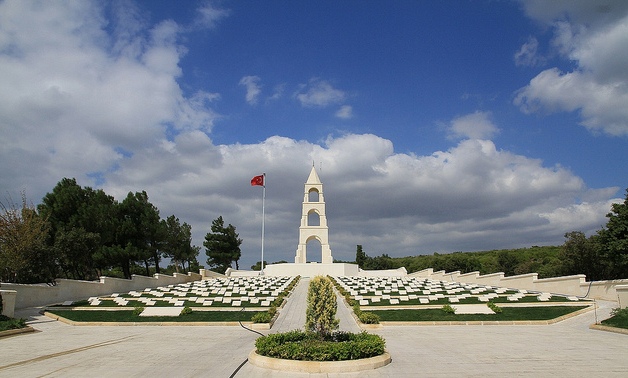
(292, 316)
(566, 349)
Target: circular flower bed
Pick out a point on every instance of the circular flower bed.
(310, 346)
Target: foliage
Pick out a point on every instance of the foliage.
(138, 310)
(222, 246)
(448, 309)
(320, 315)
(614, 241)
(177, 243)
(581, 255)
(308, 346)
(23, 233)
(7, 323)
(91, 233)
(262, 317)
(258, 265)
(495, 308)
(360, 257)
(186, 311)
(368, 317)
(619, 318)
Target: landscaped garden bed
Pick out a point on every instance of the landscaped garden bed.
(320, 349)
(536, 313)
(618, 319)
(132, 316)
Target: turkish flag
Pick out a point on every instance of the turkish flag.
(257, 180)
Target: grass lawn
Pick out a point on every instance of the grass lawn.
(7, 323)
(128, 316)
(619, 319)
(508, 314)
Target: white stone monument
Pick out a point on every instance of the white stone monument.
(313, 207)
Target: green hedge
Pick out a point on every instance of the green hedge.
(307, 346)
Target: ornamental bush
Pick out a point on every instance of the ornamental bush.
(261, 317)
(320, 316)
(308, 346)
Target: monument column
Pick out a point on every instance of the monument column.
(313, 202)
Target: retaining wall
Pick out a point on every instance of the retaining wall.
(571, 285)
(71, 290)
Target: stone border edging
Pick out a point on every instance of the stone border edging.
(13, 332)
(601, 327)
(319, 366)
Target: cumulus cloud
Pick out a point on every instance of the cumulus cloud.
(76, 101)
(253, 88)
(319, 93)
(80, 99)
(594, 36)
(469, 197)
(476, 125)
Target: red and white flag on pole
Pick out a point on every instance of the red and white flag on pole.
(257, 180)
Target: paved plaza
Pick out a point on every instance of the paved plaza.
(565, 349)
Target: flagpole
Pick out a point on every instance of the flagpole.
(263, 216)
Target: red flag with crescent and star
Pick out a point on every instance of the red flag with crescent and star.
(257, 180)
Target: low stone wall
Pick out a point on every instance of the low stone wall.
(71, 290)
(622, 294)
(570, 285)
(8, 302)
(400, 272)
(311, 269)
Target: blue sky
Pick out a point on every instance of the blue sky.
(436, 126)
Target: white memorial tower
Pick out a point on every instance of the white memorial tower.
(314, 213)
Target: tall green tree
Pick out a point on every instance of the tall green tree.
(178, 243)
(614, 240)
(23, 254)
(222, 246)
(320, 314)
(360, 256)
(141, 234)
(581, 255)
(82, 222)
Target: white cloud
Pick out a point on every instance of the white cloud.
(469, 197)
(75, 102)
(528, 54)
(208, 15)
(319, 93)
(594, 36)
(74, 97)
(476, 125)
(253, 88)
(345, 112)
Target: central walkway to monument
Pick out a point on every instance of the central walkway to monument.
(292, 316)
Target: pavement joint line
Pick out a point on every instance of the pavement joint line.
(65, 352)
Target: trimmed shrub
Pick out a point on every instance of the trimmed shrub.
(320, 316)
(368, 317)
(308, 346)
(448, 309)
(186, 311)
(495, 308)
(261, 317)
(138, 310)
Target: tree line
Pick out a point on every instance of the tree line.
(83, 233)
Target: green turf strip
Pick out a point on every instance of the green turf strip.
(620, 320)
(127, 316)
(508, 314)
